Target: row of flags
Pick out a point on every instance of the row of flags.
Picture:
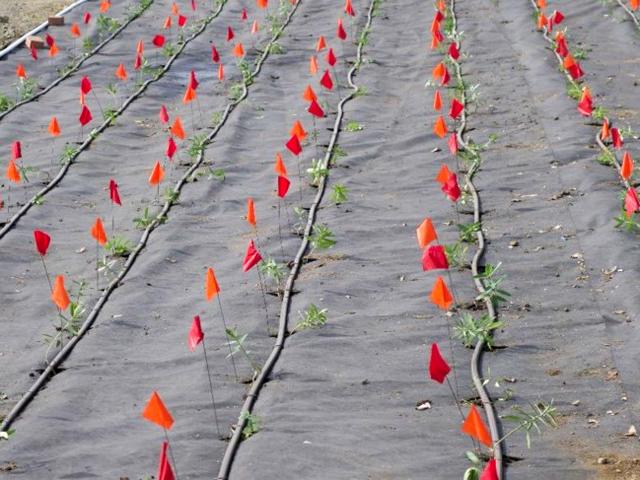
(433, 253)
(609, 134)
(156, 411)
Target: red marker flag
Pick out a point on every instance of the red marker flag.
(182, 20)
(163, 115)
(16, 150)
(434, 258)
(340, 31)
(631, 202)
(85, 85)
(348, 9)
(156, 412)
(158, 41)
(451, 188)
(315, 110)
(454, 53)
(453, 143)
(86, 18)
(490, 471)
(195, 334)
(283, 186)
(171, 148)
(193, 81)
(616, 138)
(331, 57)
(243, 15)
(438, 367)
(585, 106)
(138, 62)
(456, 108)
(85, 116)
(114, 194)
(164, 468)
(326, 81)
(293, 145)
(251, 258)
(215, 56)
(42, 241)
(230, 34)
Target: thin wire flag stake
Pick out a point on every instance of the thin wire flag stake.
(213, 400)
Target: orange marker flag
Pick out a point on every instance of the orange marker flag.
(140, 47)
(443, 174)
(98, 233)
(174, 9)
(13, 174)
(211, 287)
(298, 131)
(167, 22)
(635, 4)
(438, 71)
(254, 27)
(20, 71)
(437, 101)
(220, 72)
(238, 50)
(321, 44)
(104, 6)
(475, 427)
(59, 294)
(542, 3)
(440, 127)
(75, 30)
(279, 167)
(542, 21)
(189, 95)
(426, 233)
(177, 130)
(440, 295)
(53, 50)
(121, 72)
(156, 412)
(54, 128)
(251, 213)
(309, 95)
(157, 174)
(605, 131)
(313, 65)
(627, 166)
(262, 3)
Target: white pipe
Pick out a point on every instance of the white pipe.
(16, 43)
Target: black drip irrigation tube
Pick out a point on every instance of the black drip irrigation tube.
(256, 387)
(106, 124)
(77, 66)
(601, 144)
(629, 12)
(57, 361)
(476, 359)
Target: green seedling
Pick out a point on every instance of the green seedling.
(491, 283)
(252, 424)
(471, 330)
(237, 343)
(339, 194)
(119, 246)
(272, 270)
(322, 238)
(539, 416)
(313, 317)
(353, 126)
(317, 172)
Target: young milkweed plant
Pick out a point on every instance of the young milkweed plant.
(469, 330)
(491, 283)
(272, 270)
(339, 194)
(322, 238)
(313, 317)
(237, 342)
(251, 426)
(317, 172)
(537, 417)
(119, 246)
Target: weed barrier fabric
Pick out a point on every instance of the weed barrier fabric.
(139, 341)
(341, 402)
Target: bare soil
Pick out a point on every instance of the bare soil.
(20, 16)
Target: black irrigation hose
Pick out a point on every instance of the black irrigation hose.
(77, 66)
(476, 358)
(106, 124)
(254, 392)
(135, 253)
(601, 144)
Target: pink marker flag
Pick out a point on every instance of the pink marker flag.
(195, 333)
(283, 186)
(438, 367)
(163, 115)
(251, 258)
(294, 145)
(114, 194)
(631, 202)
(453, 143)
(434, 258)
